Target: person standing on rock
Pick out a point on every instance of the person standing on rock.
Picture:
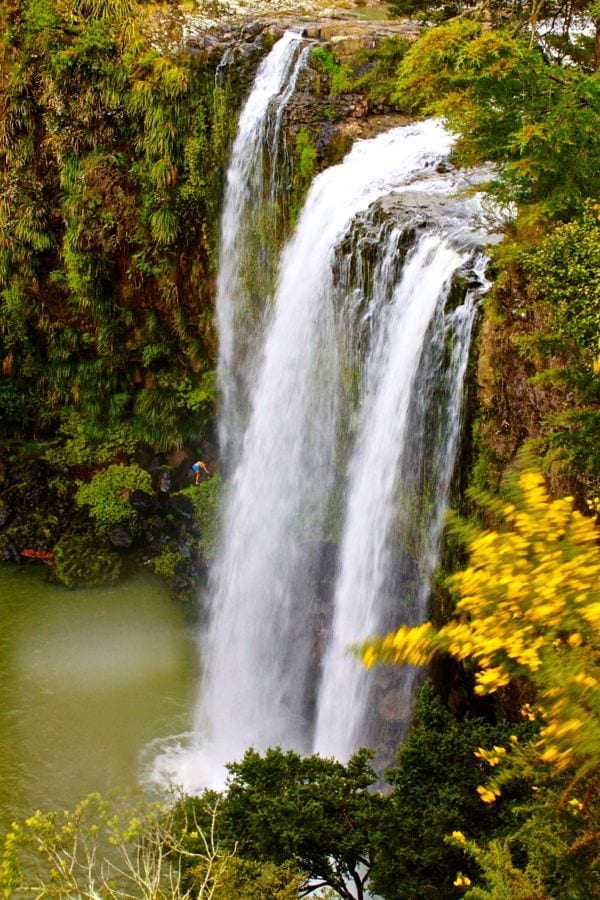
(200, 469)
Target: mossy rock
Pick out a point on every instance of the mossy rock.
(81, 561)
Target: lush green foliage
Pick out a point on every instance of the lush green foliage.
(563, 275)
(315, 812)
(563, 288)
(107, 495)
(166, 563)
(511, 106)
(110, 172)
(554, 852)
(434, 793)
(246, 879)
(337, 73)
(111, 160)
(560, 27)
(98, 850)
(381, 64)
(304, 168)
(537, 121)
(79, 443)
(528, 614)
(323, 818)
(529, 607)
(206, 498)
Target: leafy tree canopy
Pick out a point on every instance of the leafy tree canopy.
(509, 105)
(561, 28)
(563, 275)
(107, 495)
(435, 793)
(315, 812)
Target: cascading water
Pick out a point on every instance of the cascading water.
(398, 483)
(349, 436)
(246, 259)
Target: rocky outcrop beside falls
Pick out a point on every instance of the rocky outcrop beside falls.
(40, 522)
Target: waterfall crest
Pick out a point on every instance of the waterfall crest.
(347, 440)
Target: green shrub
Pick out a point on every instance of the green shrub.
(166, 563)
(80, 445)
(206, 499)
(508, 105)
(379, 81)
(107, 495)
(338, 74)
(198, 394)
(13, 407)
(434, 792)
(304, 167)
(564, 274)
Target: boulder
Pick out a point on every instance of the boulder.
(5, 515)
(182, 507)
(144, 504)
(121, 538)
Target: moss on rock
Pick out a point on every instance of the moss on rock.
(80, 560)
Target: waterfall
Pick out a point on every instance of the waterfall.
(345, 434)
(399, 476)
(248, 221)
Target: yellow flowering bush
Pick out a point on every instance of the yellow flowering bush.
(529, 605)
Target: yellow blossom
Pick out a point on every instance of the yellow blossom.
(490, 680)
(462, 880)
(488, 795)
(491, 757)
(528, 608)
(369, 657)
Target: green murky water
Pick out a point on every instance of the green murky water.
(87, 679)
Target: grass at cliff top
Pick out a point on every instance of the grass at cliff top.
(377, 13)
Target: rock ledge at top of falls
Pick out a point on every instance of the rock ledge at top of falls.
(346, 26)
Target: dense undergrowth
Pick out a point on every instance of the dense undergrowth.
(111, 164)
(112, 150)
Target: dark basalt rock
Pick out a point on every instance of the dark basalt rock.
(9, 553)
(121, 538)
(182, 507)
(165, 482)
(5, 515)
(184, 548)
(151, 530)
(144, 504)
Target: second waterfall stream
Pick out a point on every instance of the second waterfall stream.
(345, 445)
